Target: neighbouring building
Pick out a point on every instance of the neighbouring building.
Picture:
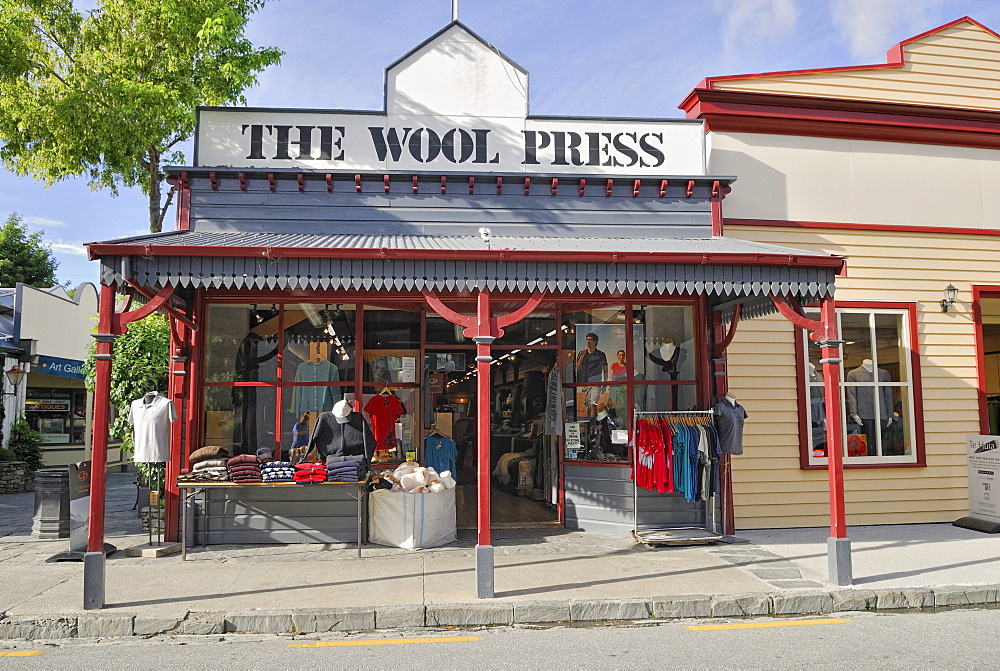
(894, 166)
(46, 334)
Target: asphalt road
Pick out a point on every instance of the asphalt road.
(954, 639)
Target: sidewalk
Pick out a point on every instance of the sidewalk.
(541, 576)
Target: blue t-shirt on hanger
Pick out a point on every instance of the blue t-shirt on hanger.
(440, 453)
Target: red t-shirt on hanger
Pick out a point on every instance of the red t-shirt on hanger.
(384, 410)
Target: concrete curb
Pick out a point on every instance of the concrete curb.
(496, 613)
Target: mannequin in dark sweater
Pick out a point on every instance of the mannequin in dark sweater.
(342, 435)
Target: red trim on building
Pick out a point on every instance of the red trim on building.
(979, 292)
(834, 225)
(813, 116)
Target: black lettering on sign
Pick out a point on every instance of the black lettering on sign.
(388, 142)
(256, 139)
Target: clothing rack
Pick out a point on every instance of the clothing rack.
(691, 535)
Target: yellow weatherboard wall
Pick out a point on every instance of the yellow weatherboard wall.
(955, 67)
(770, 489)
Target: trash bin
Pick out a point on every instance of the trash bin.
(411, 521)
(51, 504)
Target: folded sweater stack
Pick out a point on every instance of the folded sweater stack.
(205, 475)
(277, 471)
(310, 471)
(208, 464)
(244, 469)
(351, 470)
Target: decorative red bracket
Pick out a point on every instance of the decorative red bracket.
(122, 319)
(482, 324)
(724, 344)
(818, 330)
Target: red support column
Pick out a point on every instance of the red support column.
(483, 360)
(834, 427)
(93, 562)
(824, 332)
(483, 329)
(176, 393)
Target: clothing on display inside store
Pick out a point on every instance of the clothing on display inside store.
(315, 398)
(385, 408)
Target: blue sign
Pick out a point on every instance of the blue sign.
(53, 365)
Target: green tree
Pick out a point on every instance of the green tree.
(141, 364)
(23, 257)
(109, 93)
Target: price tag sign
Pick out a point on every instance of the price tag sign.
(573, 434)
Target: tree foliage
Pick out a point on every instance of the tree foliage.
(26, 444)
(109, 93)
(25, 257)
(141, 364)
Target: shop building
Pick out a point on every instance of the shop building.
(47, 334)
(525, 285)
(892, 166)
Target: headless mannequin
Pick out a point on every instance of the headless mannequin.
(871, 424)
(150, 397)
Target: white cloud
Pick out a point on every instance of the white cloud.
(755, 25)
(69, 248)
(870, 27)
(40, 222)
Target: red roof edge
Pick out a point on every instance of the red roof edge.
(894, 59)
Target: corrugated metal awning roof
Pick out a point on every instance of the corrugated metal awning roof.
(214, 259)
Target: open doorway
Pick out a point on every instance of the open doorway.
(522, 456)
(990, 363)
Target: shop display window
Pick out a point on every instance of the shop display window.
(241, 419)
(394, 415)
(392, 346)
(538, 328)
(877, 392)
(241, 343)
(665, 343)
(318, 344)
(440, 331)
(58, 414)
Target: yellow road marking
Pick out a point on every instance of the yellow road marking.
(764, 625)
(21, 653)
(383, 641)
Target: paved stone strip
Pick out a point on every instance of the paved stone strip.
(764, 565)
(493, 614)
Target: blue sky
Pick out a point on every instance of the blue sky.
(585, 57)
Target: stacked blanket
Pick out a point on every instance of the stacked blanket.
(277, 471)
(244, 469)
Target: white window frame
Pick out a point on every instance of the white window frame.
(908, 386)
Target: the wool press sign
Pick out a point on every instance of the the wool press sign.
(373, 142)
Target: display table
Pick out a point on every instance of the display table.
(273, 512)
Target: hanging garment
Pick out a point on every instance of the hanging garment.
(440, 453)
(553, 403)
(385, 409)
(652, 468)
(151, 428)
(351, 438)
(729, 419)
(315, 399)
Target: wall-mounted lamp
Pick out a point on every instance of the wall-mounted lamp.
(950, 296)
(15, 376)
